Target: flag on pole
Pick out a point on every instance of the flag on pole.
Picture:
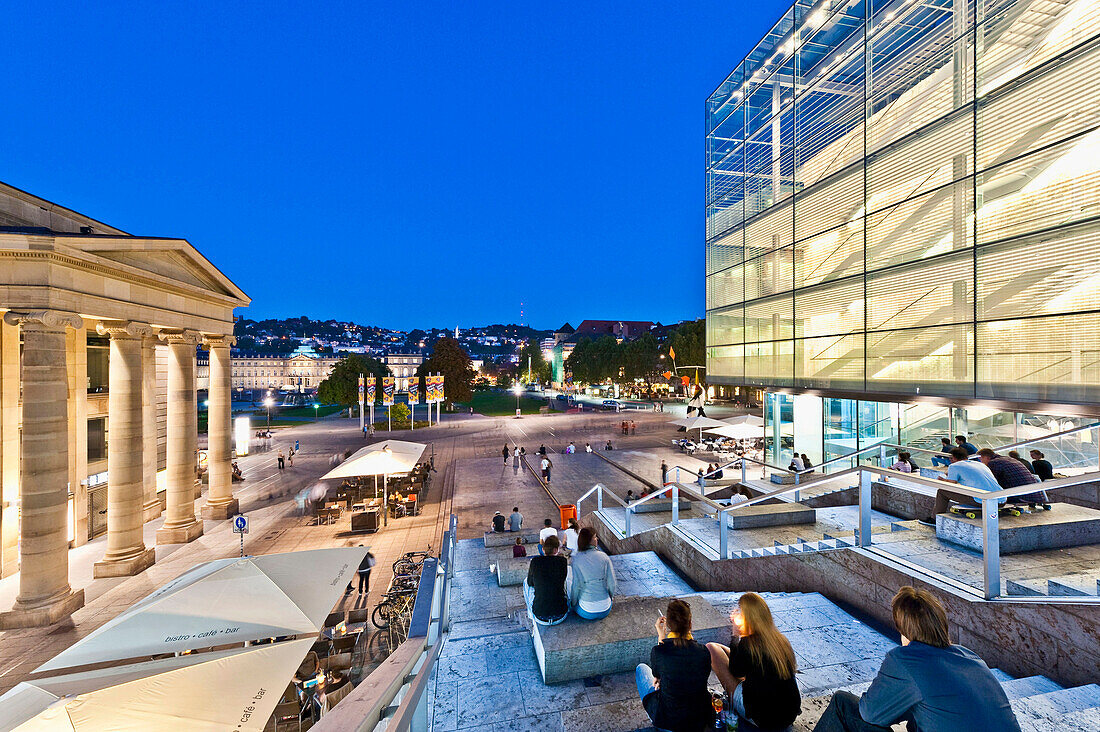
(387, 390)
(671, 352)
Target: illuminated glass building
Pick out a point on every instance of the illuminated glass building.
(903, 221)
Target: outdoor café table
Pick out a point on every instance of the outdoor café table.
(342, 630)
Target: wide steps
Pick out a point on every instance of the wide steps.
(1049, 711)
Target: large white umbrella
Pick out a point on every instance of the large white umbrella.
(698, 423)
(224, 601)
(388, 457)
(738, 431)
(235, 689)
(749, 419)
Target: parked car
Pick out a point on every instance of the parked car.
(611, 404)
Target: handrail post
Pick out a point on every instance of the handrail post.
(797, 493)
(882, 456)
(599, 496)
(677, 473)
(629, 513)
(723, 536)
(864, 508)
(991, 548)
(744, 473)
(675, 504)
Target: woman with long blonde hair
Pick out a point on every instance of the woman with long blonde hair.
(758, 673)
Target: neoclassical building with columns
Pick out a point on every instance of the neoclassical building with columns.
(99, 338)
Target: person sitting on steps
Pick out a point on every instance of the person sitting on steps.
(547, 531)
(927, 682)
(518, 549)
(970, 473)
(673, 685)
(757, 669)
(544, 588)
(593, 582)
(498, 522)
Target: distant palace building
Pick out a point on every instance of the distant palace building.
(303, 370)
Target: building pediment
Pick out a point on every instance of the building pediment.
(173, 259)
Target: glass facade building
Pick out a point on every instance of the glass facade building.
(903, 202)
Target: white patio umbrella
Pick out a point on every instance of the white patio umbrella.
(224, 601)
(738, 431)
(385, 458)
(749, 419)
(235, 689)
(698, 423)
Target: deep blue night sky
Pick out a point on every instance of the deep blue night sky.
(463, 156)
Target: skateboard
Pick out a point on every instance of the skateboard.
(973, 513)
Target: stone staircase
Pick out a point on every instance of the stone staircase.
(820, 542)
(488, 677)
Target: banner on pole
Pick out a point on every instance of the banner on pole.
(430, 388)
(414, 390)
(370, 390)
(439, 389)
(361, 387)
(387, 390)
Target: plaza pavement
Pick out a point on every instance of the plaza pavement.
(266, 497)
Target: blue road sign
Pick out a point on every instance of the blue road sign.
(240, 524)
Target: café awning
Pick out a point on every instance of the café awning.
(388, 457)
(224, 601)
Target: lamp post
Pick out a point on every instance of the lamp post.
(315, 412)
(269, 402)
(517, 390)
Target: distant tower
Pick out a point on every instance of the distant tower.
(456, 332)
(521, 313)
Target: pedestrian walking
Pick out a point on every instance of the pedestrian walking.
(363, 572)
(504, 452)
(515, 455)
(370, 429)
(282, 460)
(664, 473)
(296, 447)
(290, 458)
(633, 427)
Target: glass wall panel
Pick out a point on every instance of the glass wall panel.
(769, 274)
(726, 326)
(769, 319)
(834, 308)
(1053, 187)
(731, 359)
(831, 362)
(934, 223)
(830, 256)
(726, 287)
(769, 364)
(726, 251)
(1040, 275)
(1044, 109)
(935, 157)
(938, 360)
(1053, 359)
(770, 230)
(836, 202)
(922, 294)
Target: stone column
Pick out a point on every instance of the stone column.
(151, 502)
(180, 524)
(220, 503)
(44, 592)
(126, 551)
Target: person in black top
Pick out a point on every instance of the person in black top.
(1041, 466)
(759, 671)
(544, 589)
(498, 522)
(673, 687)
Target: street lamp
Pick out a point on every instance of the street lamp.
(517, 390)
(269, 402)
(315, 412)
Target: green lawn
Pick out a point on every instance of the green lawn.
(500, 403)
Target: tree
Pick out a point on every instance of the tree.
(689, 341)
(639, 358)
(540, 367)
(449, 359)
(342, 385)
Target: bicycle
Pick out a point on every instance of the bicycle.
(392, 606)
(411, 562)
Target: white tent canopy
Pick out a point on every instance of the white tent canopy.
(698, 423)
(235, 689)
(224, 601)
(389, 457)
(737, 431)
(750, 419)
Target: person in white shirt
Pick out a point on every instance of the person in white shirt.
(969, 473)
(592, 582)
(587, 447)
(547, 531)
(570, 535)
(796, 464)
